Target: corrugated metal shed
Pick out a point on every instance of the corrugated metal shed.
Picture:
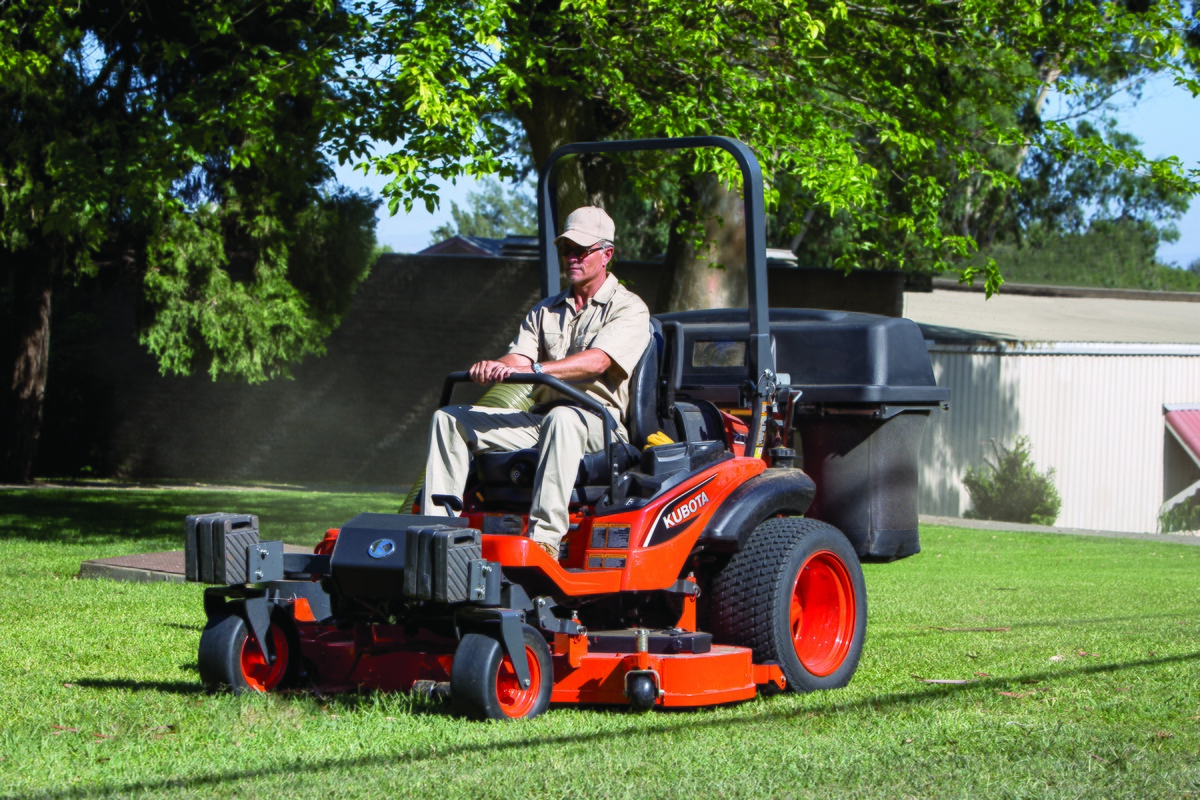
(1092, 410)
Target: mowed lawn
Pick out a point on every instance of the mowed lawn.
(1080, 656)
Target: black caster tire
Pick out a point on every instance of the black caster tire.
(642, 692)
(483, 683)
(795, 594)
(230, 660)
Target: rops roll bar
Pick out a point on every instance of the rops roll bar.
(761, 366)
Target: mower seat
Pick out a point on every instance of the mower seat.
(517, 467)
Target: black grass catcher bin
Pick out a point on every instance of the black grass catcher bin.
(867, 392)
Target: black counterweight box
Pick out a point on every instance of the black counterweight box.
(215, 547)
(397, 556)
(438, 563)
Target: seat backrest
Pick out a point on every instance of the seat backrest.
(641, 419)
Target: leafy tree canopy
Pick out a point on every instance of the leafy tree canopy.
(183, 141)
(179, 145)
(891, 119)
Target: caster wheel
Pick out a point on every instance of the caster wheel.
(229, 659)
(642, 692)
(483, 682)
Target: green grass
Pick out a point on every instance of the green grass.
(1091, 688)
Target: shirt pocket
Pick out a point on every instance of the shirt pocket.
(554, 345)
(583, 341)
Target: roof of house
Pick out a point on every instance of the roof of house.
(508, 247)
(1015, 317)
(1184, 422)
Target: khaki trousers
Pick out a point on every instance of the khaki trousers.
(562, 437)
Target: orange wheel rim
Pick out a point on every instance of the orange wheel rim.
(823, 613)
(256, 670)
(516, 701)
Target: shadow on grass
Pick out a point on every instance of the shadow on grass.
(82, 516)
(999, 627)
(671, 724)
(168, 687)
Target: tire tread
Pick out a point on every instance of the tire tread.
(744, 591)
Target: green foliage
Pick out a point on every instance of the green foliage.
(1071, 193)
(252, 329)
(492, 213)
(1118, 254)
(1063, 203)
(903, 125)
(1011, 488)
(185, 144)
(1183, 516)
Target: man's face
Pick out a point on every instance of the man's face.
(583, 264)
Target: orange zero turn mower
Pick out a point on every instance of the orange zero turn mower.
(696, 572)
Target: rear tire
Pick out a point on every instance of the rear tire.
(483, 683)
(229, 659)
(795, 594)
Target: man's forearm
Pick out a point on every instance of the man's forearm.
(588, 365)
(518, 363)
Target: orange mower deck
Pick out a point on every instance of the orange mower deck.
(379, 658)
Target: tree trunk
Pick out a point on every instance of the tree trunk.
(715, 275)
(556, 117)
(33, 281)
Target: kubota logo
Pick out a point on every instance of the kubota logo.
(678, 515)
(381, 548)
(684, 511)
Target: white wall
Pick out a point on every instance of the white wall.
(1093, 412)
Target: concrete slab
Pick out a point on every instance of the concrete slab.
(164, 567)
(993, 525)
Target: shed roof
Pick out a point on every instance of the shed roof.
(949, 316)
(1184, 422)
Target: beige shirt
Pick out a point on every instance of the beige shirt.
(615, 320)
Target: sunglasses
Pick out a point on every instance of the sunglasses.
(575, 251)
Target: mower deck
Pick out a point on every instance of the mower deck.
(587, 668)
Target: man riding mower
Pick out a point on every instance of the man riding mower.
(693, 561)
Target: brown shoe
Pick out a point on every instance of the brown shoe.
(550, 549)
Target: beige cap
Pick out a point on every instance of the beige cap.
(588, 225)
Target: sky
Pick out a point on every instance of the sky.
(1166, 120)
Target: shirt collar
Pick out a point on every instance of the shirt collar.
(607, 290)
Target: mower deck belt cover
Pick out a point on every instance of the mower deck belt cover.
(398, 556)
(215, 547)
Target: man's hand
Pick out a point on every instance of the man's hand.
(487, 372)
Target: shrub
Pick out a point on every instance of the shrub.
(1011, 489)
(1184, 516)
